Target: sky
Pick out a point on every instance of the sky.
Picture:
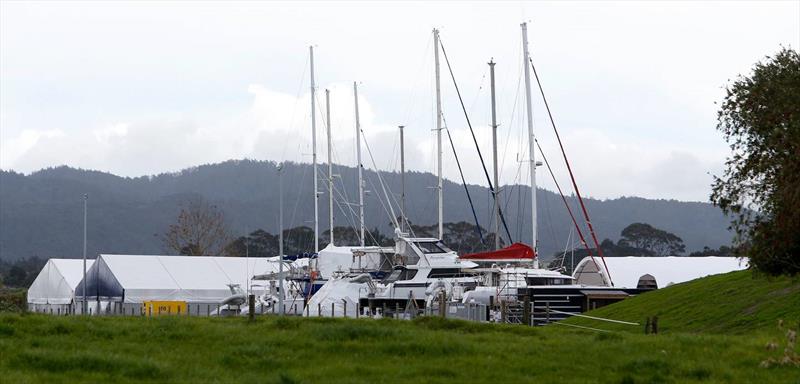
(143, 88)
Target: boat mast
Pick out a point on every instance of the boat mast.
(494, 154)
(330, 160)
(314, 151)
(360, 168)
(280, 239)
(531, 139)
(438, 132)
(403, 223)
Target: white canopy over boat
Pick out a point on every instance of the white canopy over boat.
(627, 271)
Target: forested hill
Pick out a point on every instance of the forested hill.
(41, 214)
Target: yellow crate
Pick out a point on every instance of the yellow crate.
(164, 308)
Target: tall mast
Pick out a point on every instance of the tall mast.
(531, 139)
(438, 132)
(494, 154)
(403, 223)
(85, 304)
(360, 167)
(280, 239)
(330, 160)
(314, 151)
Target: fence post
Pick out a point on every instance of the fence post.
(358, 310)
(655, 325)
(332, 314)
(503, 314)
(547, 309)
(344, 311)
(319, 309)
(442, 305)
(396, 310)
(526, 310)
(251, 307)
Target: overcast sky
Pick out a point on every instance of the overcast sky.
(150, 87)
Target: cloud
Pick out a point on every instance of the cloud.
(13, 149)
(276, 126)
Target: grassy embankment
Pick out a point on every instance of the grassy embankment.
(730, 303)
(35, 348)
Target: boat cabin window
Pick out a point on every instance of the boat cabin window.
(546, 281)
(400, 274)
(432, 247)
(447, 273)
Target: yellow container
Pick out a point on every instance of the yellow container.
(164, 308)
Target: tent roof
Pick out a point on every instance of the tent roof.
(626, 271)
(184, 272)
(138, 278)
(72, 269)
(56, 282)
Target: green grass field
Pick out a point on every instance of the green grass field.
(37, 348)
(730, 303)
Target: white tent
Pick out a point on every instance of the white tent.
(132, 279)
(54, 287)
(626, 271)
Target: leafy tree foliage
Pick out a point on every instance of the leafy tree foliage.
(20, 273)
(722, 251)
(656, 241)
(637, 239)
(568, 260)
(461, 237)
(760, 187)
(259, 243)
(200, 230)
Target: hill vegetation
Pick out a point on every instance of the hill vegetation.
(41, 214)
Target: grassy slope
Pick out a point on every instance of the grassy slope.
(36, 348)
(731, 303)
(715, 330)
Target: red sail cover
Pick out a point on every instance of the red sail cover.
(514, 252)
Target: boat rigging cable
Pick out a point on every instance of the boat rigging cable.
(563, 198)
(571, 215)
(464, 182)
(474, 139)
(380, 179)
(571, 175)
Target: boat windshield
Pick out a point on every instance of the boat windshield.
(432, 247)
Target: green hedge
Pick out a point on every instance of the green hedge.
(13, 300)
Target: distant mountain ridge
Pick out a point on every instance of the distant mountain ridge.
(41, 214)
